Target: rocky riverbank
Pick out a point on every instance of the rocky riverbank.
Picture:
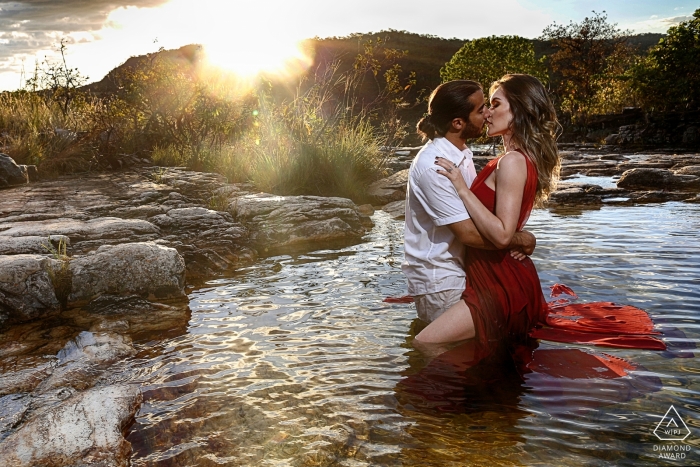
(90, 263)
(108, 255)
(590, 178)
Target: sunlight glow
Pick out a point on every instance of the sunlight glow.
(235, 36)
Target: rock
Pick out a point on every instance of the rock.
(26, 288)
(85, 429)
(612, 139)
(657, 179)
(12, 174)
(389, 189)
(100, 230)
(366, 209)
(689, 170)
(276, 221)
(83, 359)
(396, 209)
(12, 409)
(578, 193)
(31, 244)
(691, 135)
(25, 380)
(208, 240)
(144, 269)
(199, 219)
(98, 348)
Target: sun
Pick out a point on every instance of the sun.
(235, 36)
(257, 55)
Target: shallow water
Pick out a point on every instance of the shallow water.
(297, 361)
(601, 181)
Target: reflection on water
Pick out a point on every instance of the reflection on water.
(296, 361)
(601, 181)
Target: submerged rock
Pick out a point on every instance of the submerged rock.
(97, 348)
(83, 359)
(85, 429)
(144, 269)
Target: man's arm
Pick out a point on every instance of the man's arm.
(467, 233)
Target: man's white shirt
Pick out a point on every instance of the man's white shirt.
(433, 256)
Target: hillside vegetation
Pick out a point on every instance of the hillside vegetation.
(323, 132)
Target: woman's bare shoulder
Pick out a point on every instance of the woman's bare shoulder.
(512, 160)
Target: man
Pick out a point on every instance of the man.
(437, 223)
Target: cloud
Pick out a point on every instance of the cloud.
(656, 24)
(32, 29)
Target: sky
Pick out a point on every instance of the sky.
(249, 35)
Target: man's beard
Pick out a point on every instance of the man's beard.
(470, 131)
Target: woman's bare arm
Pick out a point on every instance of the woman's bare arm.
(510, 178)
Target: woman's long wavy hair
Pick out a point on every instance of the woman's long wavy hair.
(535, 128)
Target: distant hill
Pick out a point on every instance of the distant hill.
(186, 56)
(426, 55)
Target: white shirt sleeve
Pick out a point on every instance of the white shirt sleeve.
(439, 198)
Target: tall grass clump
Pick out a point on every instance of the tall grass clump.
(321, 138)
(295, 149)
(325, 140)
(35, 131)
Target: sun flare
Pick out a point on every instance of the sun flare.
(250, 59)
(234, 36)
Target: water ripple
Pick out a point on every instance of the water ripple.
(296, 361)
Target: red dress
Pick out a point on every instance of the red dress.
(504, 295)
(507, 305)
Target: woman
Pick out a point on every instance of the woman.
(503, 298)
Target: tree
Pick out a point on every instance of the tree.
(669, 77)
(487, 59)
(59, 82)
(588, 65)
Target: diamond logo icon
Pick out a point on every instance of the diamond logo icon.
(672, 427)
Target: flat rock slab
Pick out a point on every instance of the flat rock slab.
(396, 209)
(276, 221)
(31, 244)
(145, 269)
(101, 228)
(657, 179)
(689, 170)
(389, 189)
(85, 429)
